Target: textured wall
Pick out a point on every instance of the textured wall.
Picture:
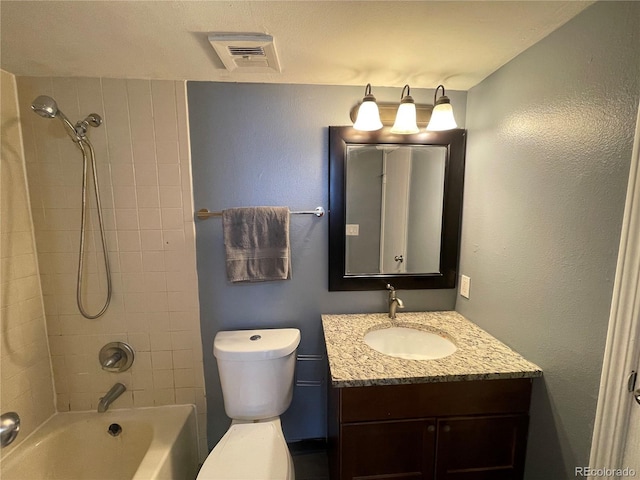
(548, 152)
(268, 145)
(26, 379)
(142, 153)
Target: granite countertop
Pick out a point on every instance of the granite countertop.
(479, 356)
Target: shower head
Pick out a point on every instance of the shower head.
(45, 106)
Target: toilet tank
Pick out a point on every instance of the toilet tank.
(256, 370)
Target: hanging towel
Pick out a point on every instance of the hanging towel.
(256, 243)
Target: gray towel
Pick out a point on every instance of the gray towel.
(256, 243)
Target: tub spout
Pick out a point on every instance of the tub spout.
(113, 393)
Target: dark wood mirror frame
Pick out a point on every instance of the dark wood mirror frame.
(454, 141)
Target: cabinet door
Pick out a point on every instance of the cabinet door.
(399, 450)
(481, 448)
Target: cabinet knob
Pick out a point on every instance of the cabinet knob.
(431, 429)
(446, 429)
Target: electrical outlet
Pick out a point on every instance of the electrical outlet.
(353, 229)
(465, 286)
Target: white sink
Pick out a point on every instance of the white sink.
(409, 343)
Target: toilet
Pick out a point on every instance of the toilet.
(256, 370)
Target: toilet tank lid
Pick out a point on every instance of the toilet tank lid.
(246, 345)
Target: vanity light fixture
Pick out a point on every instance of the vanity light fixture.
(406, 117)
(368, 114)
(442, 114)
(410, 117)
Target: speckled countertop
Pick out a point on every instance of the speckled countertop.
(479, 356)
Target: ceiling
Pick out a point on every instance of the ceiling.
(385, 43)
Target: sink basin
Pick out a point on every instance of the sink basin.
(409, 343)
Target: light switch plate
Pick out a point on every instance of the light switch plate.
(465, 286)
(353, 229)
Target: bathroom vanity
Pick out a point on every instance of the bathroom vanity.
(464, 416)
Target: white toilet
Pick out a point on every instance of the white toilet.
(256, 373)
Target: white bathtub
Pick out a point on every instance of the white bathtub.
(155, 443)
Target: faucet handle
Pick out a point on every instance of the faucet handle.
(116, 357)
(390, 287)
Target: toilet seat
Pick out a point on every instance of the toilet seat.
(250, 451)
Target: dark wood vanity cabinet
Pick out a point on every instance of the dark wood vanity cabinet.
(468, 430)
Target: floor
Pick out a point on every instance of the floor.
(310, 460)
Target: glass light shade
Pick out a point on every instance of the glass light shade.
(405, 119)
(368, 118)
(442, 118)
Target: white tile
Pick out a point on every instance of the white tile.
(164, 396)
(164, 109)
(161, 360)
(170, 197)
(157, 302)
(142, 380)
(146, 174)
(129, 240)
(130, 262)
(135, 302)
(122, 174)
(143, 152)
(139, 342)
(183, 358)
(148, 197)
(116, 107)
(151, 240)
(127, 219)
(173, 239)
(167, 152)
(150, 218)
(125, 197)
(140, 110)
(120, 153)
(184, 378)
(160, 341)
(169, 175)
(185, 396)
(143, 398)
(155, 282)
(163, 379)
(153, 261)
(182, 340)
(133, 282)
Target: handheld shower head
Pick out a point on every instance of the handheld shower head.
(45, 106)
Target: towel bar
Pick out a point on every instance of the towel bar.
(204, 213)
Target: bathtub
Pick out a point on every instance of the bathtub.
(132, 444)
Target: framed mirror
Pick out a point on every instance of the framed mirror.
(395, 208)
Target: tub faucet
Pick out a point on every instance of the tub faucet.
(113, 393)
(394, 302)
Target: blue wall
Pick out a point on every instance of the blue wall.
(549, 144)
(257, 144)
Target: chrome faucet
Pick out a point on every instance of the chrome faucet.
(394, 302)
(113, 393)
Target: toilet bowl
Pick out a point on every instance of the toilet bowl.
(250, 451)
(256, 374)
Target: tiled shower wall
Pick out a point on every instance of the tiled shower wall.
(27, 386)
(143, 166)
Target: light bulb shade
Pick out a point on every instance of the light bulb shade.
(406, 119)
(368, 118)
(442, 118)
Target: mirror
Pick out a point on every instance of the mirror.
(395, 204)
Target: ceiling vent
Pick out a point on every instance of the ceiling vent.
(246, 52)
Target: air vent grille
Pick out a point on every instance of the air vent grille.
(246, 52)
